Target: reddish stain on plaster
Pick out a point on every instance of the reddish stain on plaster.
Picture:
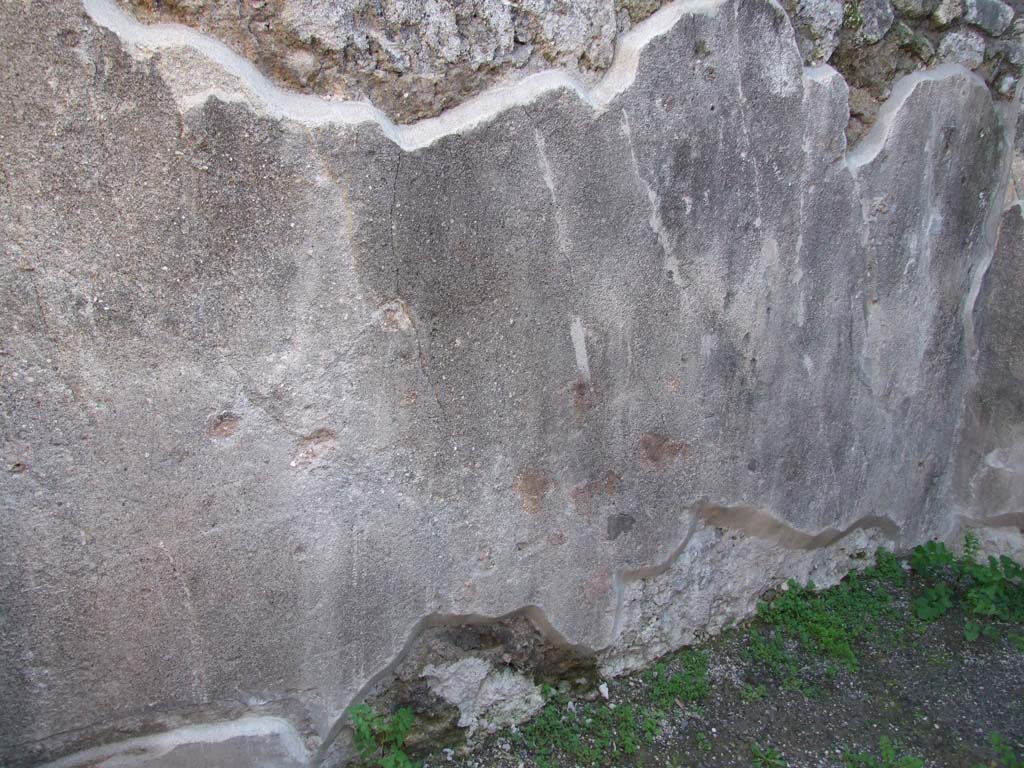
(660, 449)
(223, 425)
(314, 446)
(583, 495)
(533, 485)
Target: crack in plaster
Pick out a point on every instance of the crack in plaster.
(1007, 114)
(194, 636)
(1009, 117)
(549, 181)
(579, 345)
(671, 261)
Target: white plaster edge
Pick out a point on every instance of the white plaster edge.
(314, 110)
(132, 751)
(869, 147)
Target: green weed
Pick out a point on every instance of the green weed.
(851, 15)
(753, 693)
(589, 734)
(766, 757)
(825, 624)
(988, 592)
(933, 603)
(1006, 756)
(888, 757)
(380, 740)
(690, 684)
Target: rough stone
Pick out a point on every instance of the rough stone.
(467, 672)
(876, 16)
(917, 44)
(964, 47)
(993, 16)
(871, 70)
(285, 382)
(817, 24)
(948, 11)
(366, 49)
(1005, 58)
(483, 694)
(915, 8)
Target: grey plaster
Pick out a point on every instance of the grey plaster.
(283, 380)
(992, 457)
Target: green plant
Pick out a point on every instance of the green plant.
(752, 693)
(689, 684)
(888, 757)
(933, 603)
(823, 623)
(651, 726)
(995, 590)
(586, 734)
(972, 547)
(930, 558)
(990, 591)
(766, 757)
(1006, 756)
(768, 649)
(380, 740)
(703, 742)
(887, 567)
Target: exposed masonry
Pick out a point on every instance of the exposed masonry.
(413, 60)
(414, 63)
(314, 110)
(878, 42)
(524, 642)
(276, 101)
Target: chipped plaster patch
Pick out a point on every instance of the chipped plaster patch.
(484, 696)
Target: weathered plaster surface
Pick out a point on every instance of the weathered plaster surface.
(285, 382)
(991, 471)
